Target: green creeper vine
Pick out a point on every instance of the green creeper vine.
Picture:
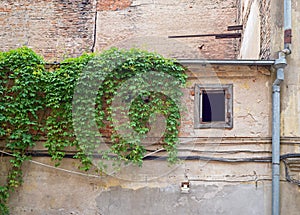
(20, 101)
(35, 102)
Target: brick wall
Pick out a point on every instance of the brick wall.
(65, 28)
(55, 29)
(147, 24)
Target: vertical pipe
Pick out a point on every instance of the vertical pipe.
(287, 14)
(276, 149)
(280, 64)
(287, 24)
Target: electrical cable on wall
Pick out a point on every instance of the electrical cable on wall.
(150, 156)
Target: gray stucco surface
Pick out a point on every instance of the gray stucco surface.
(169, 200)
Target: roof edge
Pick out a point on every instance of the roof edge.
(243, 62)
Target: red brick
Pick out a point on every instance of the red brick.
(113, 5)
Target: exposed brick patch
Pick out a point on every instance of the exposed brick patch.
(112, 5)
(265, 15)
(5, 10)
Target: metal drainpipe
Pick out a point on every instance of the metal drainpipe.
(280, 64)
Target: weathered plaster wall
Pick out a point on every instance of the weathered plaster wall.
(218, 188)
(290, 112)
(251, 98)
(291, 85)
(54, 192)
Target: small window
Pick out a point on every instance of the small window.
(213, 106)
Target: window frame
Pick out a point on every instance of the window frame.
(228, 122)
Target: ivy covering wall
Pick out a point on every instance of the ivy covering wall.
(83, 102)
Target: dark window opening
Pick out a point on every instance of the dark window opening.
(213, 106)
